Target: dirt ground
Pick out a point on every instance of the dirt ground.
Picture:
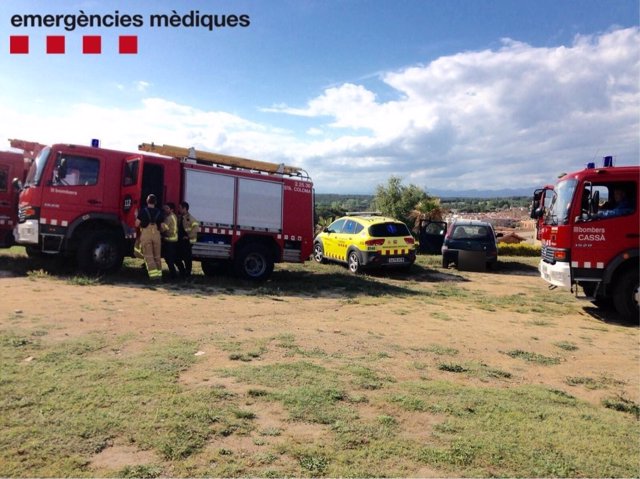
(357, 326)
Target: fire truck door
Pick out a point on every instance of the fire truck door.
(76, 187)
(131, 191)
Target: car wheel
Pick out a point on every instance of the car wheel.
(355, 265)
(318, 253)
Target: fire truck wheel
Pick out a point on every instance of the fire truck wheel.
(8, 240)
(355, 265)
(33, 252)
(100, 252)
(254, 262)
(625, 295)
(318, 253)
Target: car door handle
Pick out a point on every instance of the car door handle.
(633, 235)
(94, 202)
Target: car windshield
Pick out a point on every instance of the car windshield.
(382, 230)
(470, 232)
(35, 171)
(561, 202)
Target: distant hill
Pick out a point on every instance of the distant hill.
(503, 193)
(470, 201)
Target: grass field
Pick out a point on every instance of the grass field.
(315, 373)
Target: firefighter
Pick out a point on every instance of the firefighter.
(170, 238)
(618, 207)
(188, 231)
(149, 220)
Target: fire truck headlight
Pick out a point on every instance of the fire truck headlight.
(27, 232)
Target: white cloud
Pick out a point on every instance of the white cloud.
(142, 85)
(515, 116)
(153, 120)
(511, 117)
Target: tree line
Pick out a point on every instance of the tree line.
(407, 203)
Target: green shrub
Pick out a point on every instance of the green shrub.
(521, 249)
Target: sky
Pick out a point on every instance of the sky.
(449, 95)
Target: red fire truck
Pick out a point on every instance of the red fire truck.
(82, 202)
(591, 235)
(12, 165)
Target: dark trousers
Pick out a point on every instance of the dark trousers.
(185, 260)
(170, 253)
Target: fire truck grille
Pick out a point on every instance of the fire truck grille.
(547, 254)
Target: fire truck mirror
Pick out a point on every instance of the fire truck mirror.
(61, 169)
(17, 184)
(595, 203)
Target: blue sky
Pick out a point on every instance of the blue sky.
(449, 95)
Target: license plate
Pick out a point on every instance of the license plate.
(396, 260)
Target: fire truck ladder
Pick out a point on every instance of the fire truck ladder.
(30, 148)
(225, 160)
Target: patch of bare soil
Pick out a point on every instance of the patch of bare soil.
(403, 338)
(118, 457)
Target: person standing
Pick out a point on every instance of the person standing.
(188, 228)
(170, 238)
(149, 220)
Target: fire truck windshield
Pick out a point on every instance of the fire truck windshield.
(561, 202)
(35, 171)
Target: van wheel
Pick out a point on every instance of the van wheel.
(254, 262)
(318, 253)
(100, 252)
(626, 295)
(354, 263)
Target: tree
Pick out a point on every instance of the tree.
(428, 209)
(396, 200)
(325, 215)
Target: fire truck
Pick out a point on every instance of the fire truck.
(82, 202)
(11, 165)
(591, 236)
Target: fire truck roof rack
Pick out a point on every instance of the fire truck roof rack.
(30, 148)
(225, 160)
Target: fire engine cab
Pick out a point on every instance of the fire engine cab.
(82, 201)
(540, 205)
(591, 235)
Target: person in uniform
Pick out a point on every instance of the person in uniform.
(170, 239)
(188, 228)
(149, 220)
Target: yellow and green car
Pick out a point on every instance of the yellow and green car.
(366, 240)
